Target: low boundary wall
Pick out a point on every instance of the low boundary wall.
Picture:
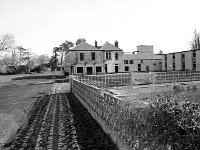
(111, 112)
(104, 109)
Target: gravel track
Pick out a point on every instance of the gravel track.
(60, 122)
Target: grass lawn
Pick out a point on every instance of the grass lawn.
(20, 97)
(16, 98)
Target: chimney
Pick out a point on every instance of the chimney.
(95, 43)
(116, 43)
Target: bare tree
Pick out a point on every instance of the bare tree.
(6, 42)
(195, 43)
(78, 41)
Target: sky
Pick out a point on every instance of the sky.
(42, 25)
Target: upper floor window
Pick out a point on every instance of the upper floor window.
(81, 56)
(165, 57)
(173, 56)
(93, 56)
(183, 56)
(108, 55)
(116, 56)
(125, 61)
(131, 61)
(194, 54)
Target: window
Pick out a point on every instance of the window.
(81, 56)
(154, 64)
(125, 61)
(131, 61)
(139, 67)
(126, 68)
(174, 66)
(183, 66)
(183, 56)
(194, 54)
(165, 66)
(93, 56)
(141, 61)
(194, 66)
(108, 55)
(160, 63)
(98, 69)
(79, 69)
(173, 57)
(165, 57)
(116, 56)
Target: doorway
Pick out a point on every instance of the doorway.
(89, 70)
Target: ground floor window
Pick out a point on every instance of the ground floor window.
(139, 67)
(79, 69)
(126, 68)
(98, 69)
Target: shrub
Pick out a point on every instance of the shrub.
(22, 69)
(165, 125)
(39, 69)
(10, 70)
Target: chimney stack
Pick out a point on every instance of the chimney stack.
(116, 43)
(95, 43)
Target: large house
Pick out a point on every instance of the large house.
(108, 58)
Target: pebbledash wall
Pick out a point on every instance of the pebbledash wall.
(107, 110)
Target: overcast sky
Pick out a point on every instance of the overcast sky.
(44, 24)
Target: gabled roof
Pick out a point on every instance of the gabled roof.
(107, 46)
(83, 46)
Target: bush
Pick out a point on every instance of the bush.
(39, 69)
(10, 70)
(166, 125)
(22, 69)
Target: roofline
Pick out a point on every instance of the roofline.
(142, 59)
(113, 50)
(182, 51)
(95, 50)
(144, 45)
(86, 50)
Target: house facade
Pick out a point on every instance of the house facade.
(181, 61)
(109, 58)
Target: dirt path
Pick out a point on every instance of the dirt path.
(56, 125)
(58, 122)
